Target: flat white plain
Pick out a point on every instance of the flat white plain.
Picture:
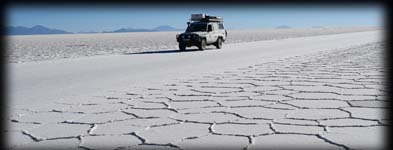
(28, 48)
(97, 98)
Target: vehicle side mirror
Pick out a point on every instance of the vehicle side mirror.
(188, 24)
(209, 28)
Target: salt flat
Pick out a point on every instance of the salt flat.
(29, 48)
(305, 92)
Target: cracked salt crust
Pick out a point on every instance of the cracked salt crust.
(290, 141)
(323, 100)
(59, 144)
(357, 137)
(109, 142)
(215, 142)
(173, 133)
(242, 129)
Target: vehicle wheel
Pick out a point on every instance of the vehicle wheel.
(218, 44)
(202, 45)
(182, 47)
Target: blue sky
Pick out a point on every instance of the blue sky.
(107, 18)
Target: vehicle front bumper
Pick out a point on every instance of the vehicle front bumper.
(189, 41)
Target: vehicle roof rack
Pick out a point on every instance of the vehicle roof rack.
(205, 18)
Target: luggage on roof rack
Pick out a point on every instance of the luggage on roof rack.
(205, 18)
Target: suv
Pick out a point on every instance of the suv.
(203, 30)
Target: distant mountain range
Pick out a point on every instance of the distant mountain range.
(283, 27)
(157, 29)
(317, 27)
(39, 29)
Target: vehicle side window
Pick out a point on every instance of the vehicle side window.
(215, 27)
(221, 26)
(209, 27)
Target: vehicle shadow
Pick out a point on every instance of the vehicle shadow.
(169, 51)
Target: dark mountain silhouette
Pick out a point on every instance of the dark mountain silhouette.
(283, 27)
(38, 29)
(159, 28)
(165, 28)
(317, 27)
(128, 30)
(89, 32)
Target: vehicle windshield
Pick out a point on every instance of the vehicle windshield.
(195, 27)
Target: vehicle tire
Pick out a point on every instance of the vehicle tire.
(182, 47)
(202, 45)
(218, 44)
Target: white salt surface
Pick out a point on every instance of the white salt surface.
(28, 48)
(41, 81)
(256, 95)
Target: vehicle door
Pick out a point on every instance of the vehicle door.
(210, 33)
(222, 31)
(216, 32)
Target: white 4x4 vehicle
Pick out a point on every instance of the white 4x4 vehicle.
(203, 30)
